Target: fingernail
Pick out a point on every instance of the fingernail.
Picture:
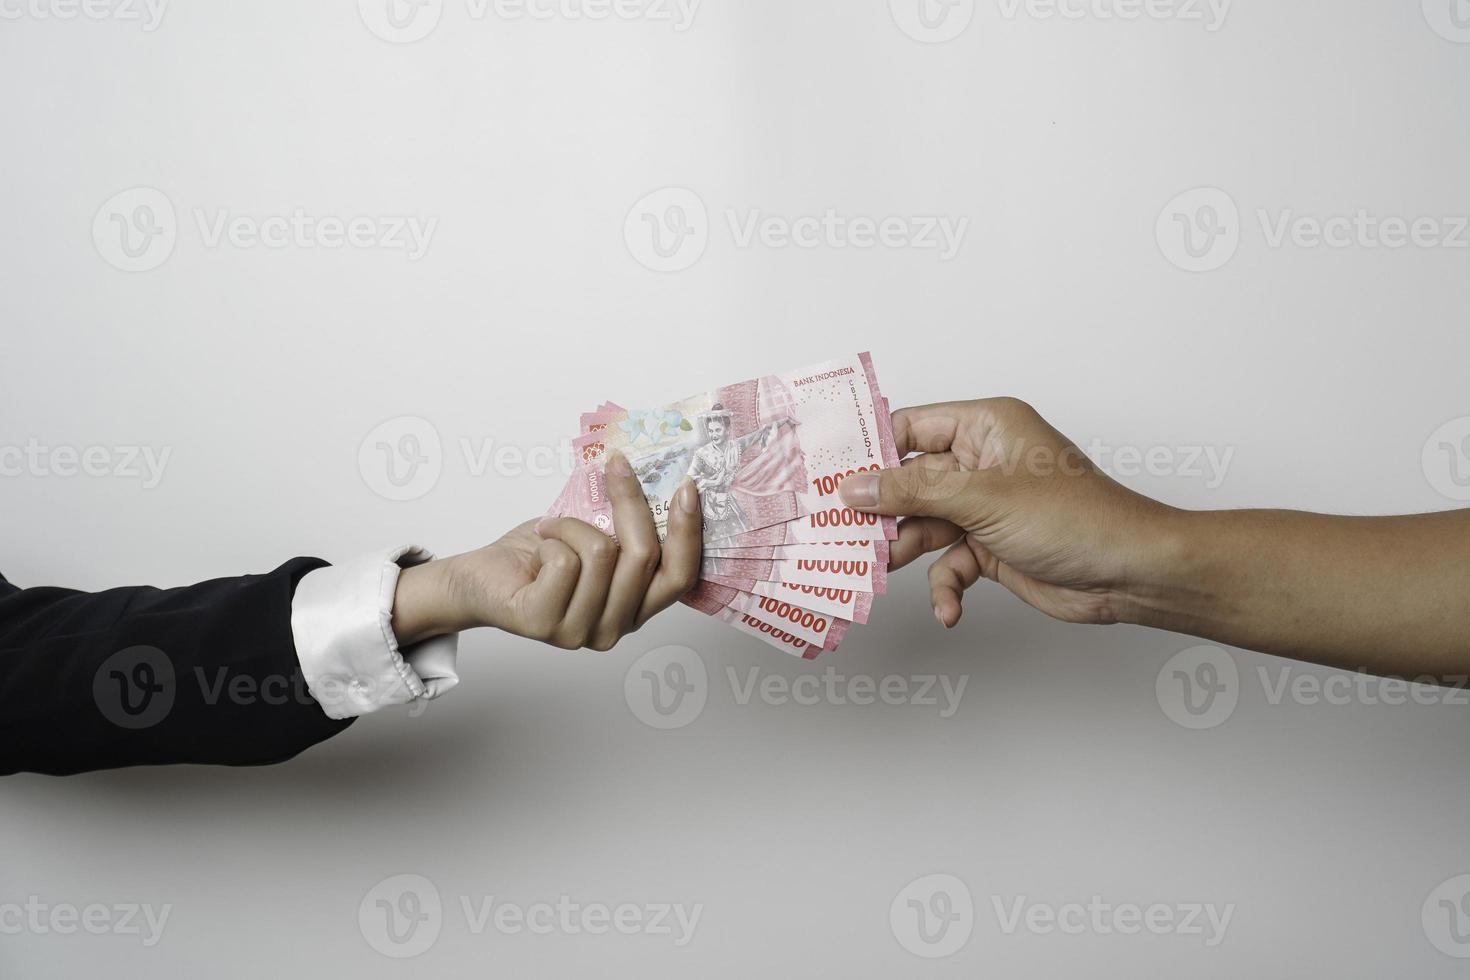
(688, 497)
(617, 465)
(940, 616)
(860, 490)
(541, 524)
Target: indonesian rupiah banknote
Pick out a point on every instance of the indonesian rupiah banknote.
(784, 559)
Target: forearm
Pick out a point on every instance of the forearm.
(1388, 595)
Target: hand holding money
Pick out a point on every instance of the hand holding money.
(784, 559)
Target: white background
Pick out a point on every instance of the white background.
(1061, 776)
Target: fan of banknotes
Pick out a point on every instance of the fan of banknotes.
(784, 560)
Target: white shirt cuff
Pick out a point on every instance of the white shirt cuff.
(342, 621)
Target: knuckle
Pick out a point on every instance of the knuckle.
(603, 552)
(645, 560)
(1013, 408)
(686, 578)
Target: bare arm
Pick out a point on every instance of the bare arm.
(1390, 595)
(1012, 500)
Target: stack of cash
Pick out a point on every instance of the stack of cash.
(784, 560)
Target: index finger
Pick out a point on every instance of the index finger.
(926, 428)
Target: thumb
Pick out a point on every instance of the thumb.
(914, 490)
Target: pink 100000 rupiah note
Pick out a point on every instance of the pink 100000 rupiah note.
(784, 561)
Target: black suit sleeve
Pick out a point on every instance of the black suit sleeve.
(142, 676)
